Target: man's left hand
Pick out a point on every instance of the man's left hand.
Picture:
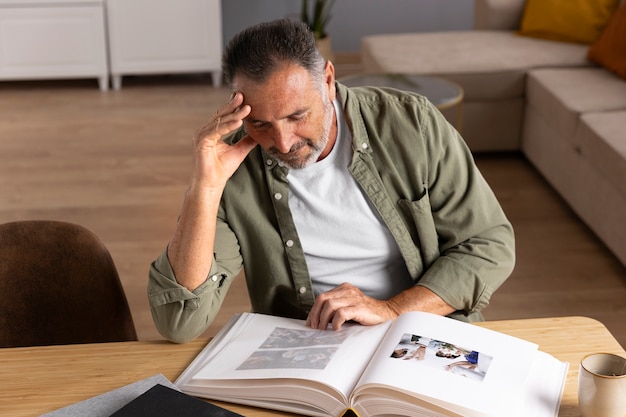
(344, 303)
(347, 303)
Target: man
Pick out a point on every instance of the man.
(340, 204)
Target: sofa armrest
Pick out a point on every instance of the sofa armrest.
(498, 14)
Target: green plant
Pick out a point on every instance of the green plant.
(318, 18)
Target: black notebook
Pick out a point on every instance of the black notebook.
(162, 401)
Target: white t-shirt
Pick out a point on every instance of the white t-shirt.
(343, 237)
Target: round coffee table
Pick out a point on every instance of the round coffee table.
(443, 93)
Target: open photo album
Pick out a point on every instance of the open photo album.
(419, 364)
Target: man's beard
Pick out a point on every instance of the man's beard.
(293, 161)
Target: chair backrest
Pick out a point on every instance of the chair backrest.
(59, 285)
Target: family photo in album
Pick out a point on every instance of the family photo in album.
(442, 355)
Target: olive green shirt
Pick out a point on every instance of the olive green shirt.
(416, 171)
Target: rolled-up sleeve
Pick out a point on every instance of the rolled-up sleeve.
(181, 315)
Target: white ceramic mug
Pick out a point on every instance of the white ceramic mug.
(602, 385)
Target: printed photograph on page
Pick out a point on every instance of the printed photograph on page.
(447, 357)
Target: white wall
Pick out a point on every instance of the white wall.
(353, 19)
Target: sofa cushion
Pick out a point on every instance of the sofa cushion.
(565, 20)
(564, 94)
(610, 50)
(498, 14)
(597, 201)
(602, 142)
(487, 64)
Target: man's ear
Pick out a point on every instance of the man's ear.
(329, 74)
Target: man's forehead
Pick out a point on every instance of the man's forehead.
(288, 80)
(268, 110)
(267, 105)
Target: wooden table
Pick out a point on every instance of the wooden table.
(37, 380)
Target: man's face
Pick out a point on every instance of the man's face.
(292, 117)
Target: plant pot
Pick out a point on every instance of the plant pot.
(324, 46)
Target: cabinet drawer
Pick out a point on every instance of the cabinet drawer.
(160, 36)
(61, 41)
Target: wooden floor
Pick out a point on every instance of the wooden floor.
(117, 162)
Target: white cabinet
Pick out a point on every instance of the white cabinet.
(163, 37)
(46, 39)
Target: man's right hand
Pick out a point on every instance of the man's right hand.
(214, 161)
(190, 250)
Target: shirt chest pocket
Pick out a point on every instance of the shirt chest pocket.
(425, 230)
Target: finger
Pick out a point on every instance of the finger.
(316, 317)
(326, 315)
(341, 316)
(335, 311)
(224, 125)
(230, 115)
(312, 319)
(233, 102)
(219, 126)
(233, 105)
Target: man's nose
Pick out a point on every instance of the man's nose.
(284, 139)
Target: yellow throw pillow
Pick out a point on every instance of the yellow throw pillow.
(610, 50)
(580, 21)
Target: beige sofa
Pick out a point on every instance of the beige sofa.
(566, 114)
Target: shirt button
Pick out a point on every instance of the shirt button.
(278, 196)
(302, 290)
(289, 243)
(213, 278)
(268, 162)
(364, 145)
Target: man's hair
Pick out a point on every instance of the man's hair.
(258, 51)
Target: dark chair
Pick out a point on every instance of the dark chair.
(59, 285)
